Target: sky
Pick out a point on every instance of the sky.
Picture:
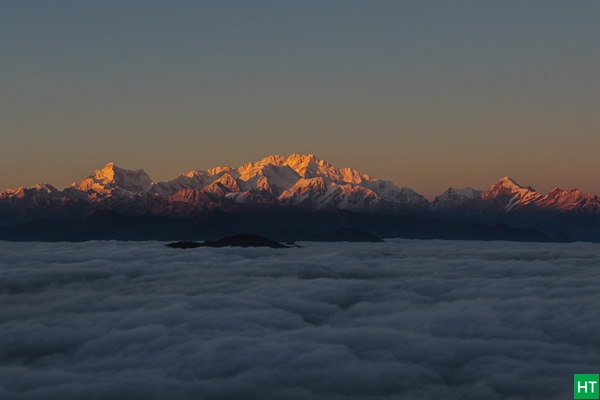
(428, 94)
(400, 320)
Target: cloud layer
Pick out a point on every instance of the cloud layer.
(396, 320)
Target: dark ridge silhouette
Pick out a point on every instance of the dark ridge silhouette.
(346, 235)
(244, 240)
(324, 225)
(185, 245)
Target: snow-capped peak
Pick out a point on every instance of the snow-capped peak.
(112, 180)
(45, 187)
(453, 197)
(509, 188)
(284, 172)
(467, 192)
(506, 186)
(458, 194)
(219, 170)
(510, 184)
(310, 166)
(570, 199)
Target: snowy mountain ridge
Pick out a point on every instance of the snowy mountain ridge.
(115, 181)
(303, 181)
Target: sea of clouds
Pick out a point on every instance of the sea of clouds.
(397, 320)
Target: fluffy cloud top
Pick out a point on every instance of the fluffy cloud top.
(396, 320)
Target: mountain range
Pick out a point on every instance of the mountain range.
(299, 184)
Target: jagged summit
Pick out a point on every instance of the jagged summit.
(467, 192)
(453, 197)
(506, 187)
(46, 187)
(511, 184)
(115, 181)
(571, 199)
(513, 195)
(508, 182)
(305, 166)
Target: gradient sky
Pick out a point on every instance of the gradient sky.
(428, 94)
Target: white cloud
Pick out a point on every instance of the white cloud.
(402, 319)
